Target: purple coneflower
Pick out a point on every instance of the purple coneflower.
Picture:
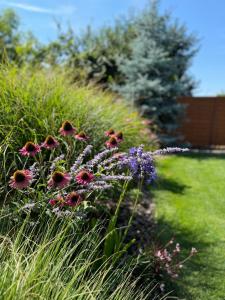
(73, 199)
(30, 149)
(84, 177)
(110, 132)
(119, 136)
(81, 136)
(67, 129)
(21, 179)
(59, 180)
(59, 200)
(111, 143)
(50, 142)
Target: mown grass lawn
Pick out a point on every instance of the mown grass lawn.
(190, 205)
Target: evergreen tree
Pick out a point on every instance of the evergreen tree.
(99, 51)
(156, 72)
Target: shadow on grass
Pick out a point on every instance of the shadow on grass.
(171, 185)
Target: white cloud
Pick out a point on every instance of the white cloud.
(61, 10)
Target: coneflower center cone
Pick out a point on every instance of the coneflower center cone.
(19, 176)
(84, 176)
(74, 198)
(120, 135)
(58, 177)
(50, 141)
(82, 134)
(67, 126)
(30, 147)
(113, 141)
(111, 131)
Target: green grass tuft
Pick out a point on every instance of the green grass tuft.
(62, 263)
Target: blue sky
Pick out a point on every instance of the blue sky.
(206, 18)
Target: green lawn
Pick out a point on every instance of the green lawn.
(190, 205)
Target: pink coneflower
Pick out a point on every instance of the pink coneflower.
(67, 129)
(81, 136)
(21, 179)
(59, 180)
(30, 149)
(84, 177)
(119, 136)
(50, 142)
(73, 199)
(58, 200)
(111, 143)
(110, 132)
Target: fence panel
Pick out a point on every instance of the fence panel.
(204, 124)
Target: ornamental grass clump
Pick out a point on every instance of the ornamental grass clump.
(59, 261)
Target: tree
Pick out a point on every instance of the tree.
(17, 47)
(100, 51)
(90, 56)
(156, 73)
(9, 36)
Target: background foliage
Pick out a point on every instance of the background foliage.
(143, 57)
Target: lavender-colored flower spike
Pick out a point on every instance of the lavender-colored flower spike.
(169, 150)
(95, 186)
(99, 157)
(115, 177)
(108, 161)
(53, 165)
(80, 158)
(98, 187)
(34, 170)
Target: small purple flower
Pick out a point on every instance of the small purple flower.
(141, 165)
(133, 151)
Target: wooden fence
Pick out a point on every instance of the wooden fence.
(204, 124)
